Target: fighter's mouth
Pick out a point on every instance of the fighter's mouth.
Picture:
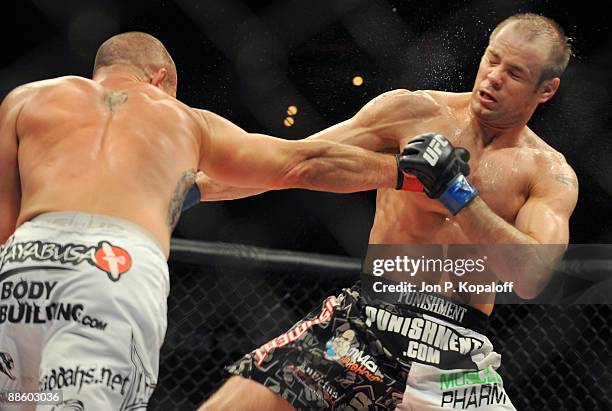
(486, 96)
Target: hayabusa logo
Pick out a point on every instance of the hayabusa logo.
(113, 260)
(6, 365)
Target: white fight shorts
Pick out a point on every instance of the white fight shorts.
(82, 312)
(452, 362)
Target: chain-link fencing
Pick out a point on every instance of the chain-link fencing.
(226, 301)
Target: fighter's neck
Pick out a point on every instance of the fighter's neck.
(506, 136)
(117, 74)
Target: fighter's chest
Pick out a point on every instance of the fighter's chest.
(501, 175)
(502, 178)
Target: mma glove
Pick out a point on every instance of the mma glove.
(440, 168)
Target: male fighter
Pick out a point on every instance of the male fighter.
(431, 353)
(92, 177)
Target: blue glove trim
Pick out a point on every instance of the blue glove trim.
(458, 194)
(192, 198)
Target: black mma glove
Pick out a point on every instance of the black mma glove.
(441, 168)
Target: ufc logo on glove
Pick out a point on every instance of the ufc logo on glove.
(434, 149)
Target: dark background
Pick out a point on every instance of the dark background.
(249, 61)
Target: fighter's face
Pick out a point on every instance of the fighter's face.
(507, 88)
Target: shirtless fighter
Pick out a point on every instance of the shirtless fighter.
(519, 191)
(92, 177)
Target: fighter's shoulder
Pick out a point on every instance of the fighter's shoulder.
(550, 162)
(542, 151)
(14, 100)
(58, 81)
(210, 122)
(17, 94)
(409, 103)
(28, 89)
(203, 115)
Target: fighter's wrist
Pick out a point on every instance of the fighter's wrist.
(458, 194)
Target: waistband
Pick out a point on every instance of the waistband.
(437, 306)
(84, 221)
(445, 309)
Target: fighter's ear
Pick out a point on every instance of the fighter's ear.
(158, 77)
(548, 88)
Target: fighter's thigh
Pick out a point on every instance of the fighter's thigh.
(242, 394)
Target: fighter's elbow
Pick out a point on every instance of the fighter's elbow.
(530, 289)
(526, 293)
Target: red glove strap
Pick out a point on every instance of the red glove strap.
(406, 182)
(411, 183)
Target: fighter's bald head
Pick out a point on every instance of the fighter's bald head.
(142, 52)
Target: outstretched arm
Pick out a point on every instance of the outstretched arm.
(10, 191)
(373, 127)
(233, 156)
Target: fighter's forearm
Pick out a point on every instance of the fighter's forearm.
(513, 255)
(326, 167)
(341, 168)
(481, 225)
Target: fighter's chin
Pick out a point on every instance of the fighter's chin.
(480, 111)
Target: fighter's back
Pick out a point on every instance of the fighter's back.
(114, 147)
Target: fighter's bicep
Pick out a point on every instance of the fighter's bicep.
(243, 159)
(546, 213)
(222, 147)
(543, 223)
(355, 133)
(381, 124)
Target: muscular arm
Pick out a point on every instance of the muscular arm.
(214, 190)
(352, 132)
(541, 223)
(372, 128)
(237, 158)
(10, 191)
